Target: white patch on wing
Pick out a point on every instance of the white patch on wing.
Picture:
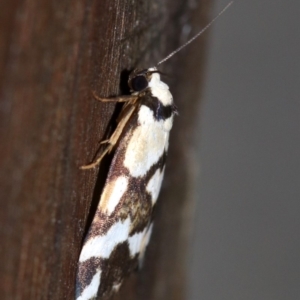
(135, 241)
(147, 143)
(154, 185)
(159, 89)
(102, 246)
(91, 290)
(112, 194)
(138, 242)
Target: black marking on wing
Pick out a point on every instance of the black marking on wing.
(85, 274)
(136, 202)
(160, 111)
(114, 269)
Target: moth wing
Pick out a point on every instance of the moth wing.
(120, 230)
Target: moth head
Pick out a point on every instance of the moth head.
(139, 79)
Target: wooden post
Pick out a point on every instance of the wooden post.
(52, 56)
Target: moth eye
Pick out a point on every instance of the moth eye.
(139, 83)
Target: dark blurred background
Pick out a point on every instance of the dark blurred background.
(246, 236)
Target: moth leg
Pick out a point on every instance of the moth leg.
(115, 99)
(104, 142)
(97, 162)
(118, 131)
(112, 141)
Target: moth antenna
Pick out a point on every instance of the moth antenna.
(197, 35)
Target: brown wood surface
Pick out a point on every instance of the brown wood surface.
(53, 54)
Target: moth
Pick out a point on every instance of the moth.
(120, 231)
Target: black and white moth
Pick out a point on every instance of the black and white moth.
(122, 225)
